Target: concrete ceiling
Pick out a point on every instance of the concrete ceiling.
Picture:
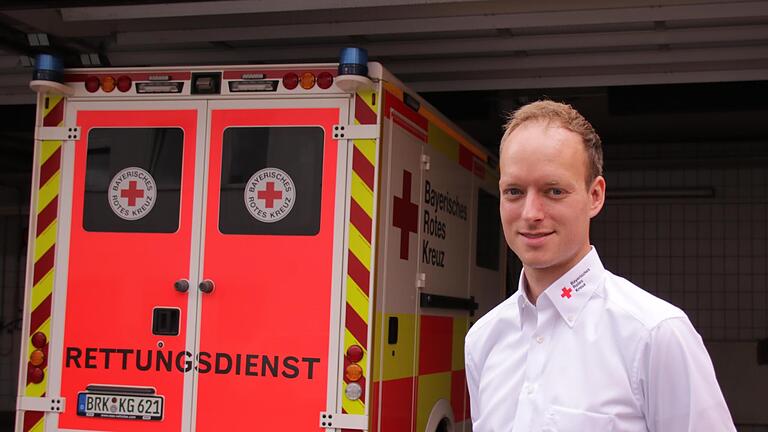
(642, 71)
(433, 45)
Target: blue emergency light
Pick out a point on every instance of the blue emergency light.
(48, 68)
(353, 61)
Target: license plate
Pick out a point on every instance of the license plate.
(121, 406)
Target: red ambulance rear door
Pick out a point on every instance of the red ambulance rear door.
(271, 253)
(130, 219)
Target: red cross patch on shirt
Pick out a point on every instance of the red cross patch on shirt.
(566, 293)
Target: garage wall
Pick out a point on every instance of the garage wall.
(689, 223)
(12, 257)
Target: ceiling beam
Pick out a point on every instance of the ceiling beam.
(596, 80)
(448, 24)
(235, 7)
(459, 46)
(616, 58)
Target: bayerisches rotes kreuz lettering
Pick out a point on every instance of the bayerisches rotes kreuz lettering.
(435, 224)
(247, 364)
(132, 193)
(270, 195)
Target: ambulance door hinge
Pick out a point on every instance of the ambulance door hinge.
(355, 131)
(425, 160)
(343, 421)
(58, 133)
(42, 404)
(421, 280)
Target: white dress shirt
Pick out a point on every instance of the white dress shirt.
(595, 354)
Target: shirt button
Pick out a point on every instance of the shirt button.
(531, 388)
(540, 339)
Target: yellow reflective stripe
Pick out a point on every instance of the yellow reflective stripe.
(351, 407)
(368, 148)
(41, 291)
(362, 194)
(45, 240)
(53, 100)
(367, 97)
(357, 299)
(37, 390)
(460, 326)
(431, 388)
(48, 192)
(397, 91)
(360, 247)
(39, 426)
(453, 133)
(47, 148)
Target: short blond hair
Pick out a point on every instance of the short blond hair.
(568, 118)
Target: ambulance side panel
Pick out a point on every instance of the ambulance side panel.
(397, 296)
(428, 276)
(443, 255)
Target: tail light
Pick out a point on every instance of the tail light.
(324, 80)
(39, 340)
(92, 84)
(290, 81)
(354, 353)
(35, 375)
(124, 83)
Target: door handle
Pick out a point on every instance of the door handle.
(206, 286)
(181, 285)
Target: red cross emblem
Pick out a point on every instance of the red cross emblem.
(269, 195)
(132, 193)
(566, 293)
(405, 215)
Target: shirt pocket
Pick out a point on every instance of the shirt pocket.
(558, 419)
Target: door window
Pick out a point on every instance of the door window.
(133, 180)
(271, 180)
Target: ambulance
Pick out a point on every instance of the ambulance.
(288, 248)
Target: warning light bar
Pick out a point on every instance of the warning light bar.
(253, 86)
(159, 87)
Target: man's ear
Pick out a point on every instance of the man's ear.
(596, 196)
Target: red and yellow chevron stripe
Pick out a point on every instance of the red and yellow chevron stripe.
(44, 252)
(444, 137)
(359, 254)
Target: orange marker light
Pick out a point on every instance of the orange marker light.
(307, 80)
(36, 358)
(108, 84)
(353, 372)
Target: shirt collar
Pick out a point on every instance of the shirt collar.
(570, 293)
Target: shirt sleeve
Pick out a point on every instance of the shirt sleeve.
(470, 370)
(676, 376)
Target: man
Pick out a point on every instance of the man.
(577, 348)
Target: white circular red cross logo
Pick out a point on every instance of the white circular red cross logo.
(132, 193)
(269, 195)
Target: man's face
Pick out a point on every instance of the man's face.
(545, 203)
